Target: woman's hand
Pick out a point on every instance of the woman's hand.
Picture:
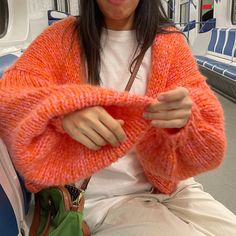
(94, 127)
(172, 109)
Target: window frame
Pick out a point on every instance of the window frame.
(182, 4)
(233, 12)
(6, 18)
(169, 10)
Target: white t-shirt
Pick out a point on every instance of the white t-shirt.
(125, 176)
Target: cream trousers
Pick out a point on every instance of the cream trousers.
(189, 211)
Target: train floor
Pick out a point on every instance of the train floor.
(221, 182)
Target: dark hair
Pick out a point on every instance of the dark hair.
(150, 17)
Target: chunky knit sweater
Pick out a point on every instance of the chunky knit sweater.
(48, 82)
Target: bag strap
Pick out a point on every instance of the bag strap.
(134, 73)
(127, 88)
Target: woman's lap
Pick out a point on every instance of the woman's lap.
(191, 204)
(188, 211)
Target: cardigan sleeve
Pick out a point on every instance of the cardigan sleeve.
(200, 145)
(34, 94)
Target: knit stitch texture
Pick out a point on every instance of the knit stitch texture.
(47, 82)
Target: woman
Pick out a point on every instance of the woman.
(64, 117)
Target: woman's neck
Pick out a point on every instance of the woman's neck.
(124, 24)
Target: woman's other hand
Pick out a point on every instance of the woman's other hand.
(94, 127)
(172, 109)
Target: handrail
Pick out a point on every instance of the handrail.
(196, 22)
(189, 7)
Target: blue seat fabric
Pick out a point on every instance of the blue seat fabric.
(208, 25)
(8, 223)
(191, 25)
(221, 41)
(213, 39)
(6, 61)
(228, 50)
(219, 67)
(222, 47)
(231, 72)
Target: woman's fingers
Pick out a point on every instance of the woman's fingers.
(178, 123)
(104, 132)
(173, 95)
(94, 127)
(77, 135)
(167, 115)
(86, 141)
(114, 127)
(92, 135)
(166, 106)
(172, 109)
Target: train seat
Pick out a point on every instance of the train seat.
(54, 16)
(14, 197)
(219, 57)
(6, 61)
(191, 25)
(208, 25)
(8, 222)
(211, 48)
(230, 72)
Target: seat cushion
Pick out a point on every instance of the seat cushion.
(8, 223)
(231, 73)
(207, 62)
(200, 60)
(211, 64)
(220, 67)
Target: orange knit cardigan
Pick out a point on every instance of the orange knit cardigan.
(47, 82)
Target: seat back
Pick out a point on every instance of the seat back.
(224, 46)
(213, 40)
(9, 224)
(191, 25)
(6, 61)
(234, 50)
(228, 49)
(54, 16)
(10, 192)
(13, 187)
(14, 198)
(221, 41)
(208, 25)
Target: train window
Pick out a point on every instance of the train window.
(68, 6)
(62, 5)
(234, 12)
(4, 17)
(206, 10)
(184, 13)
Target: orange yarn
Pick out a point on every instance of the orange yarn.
(47, 83)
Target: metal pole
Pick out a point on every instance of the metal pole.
(173, 10)
(189, 5)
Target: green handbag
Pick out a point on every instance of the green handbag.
(59, 212)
